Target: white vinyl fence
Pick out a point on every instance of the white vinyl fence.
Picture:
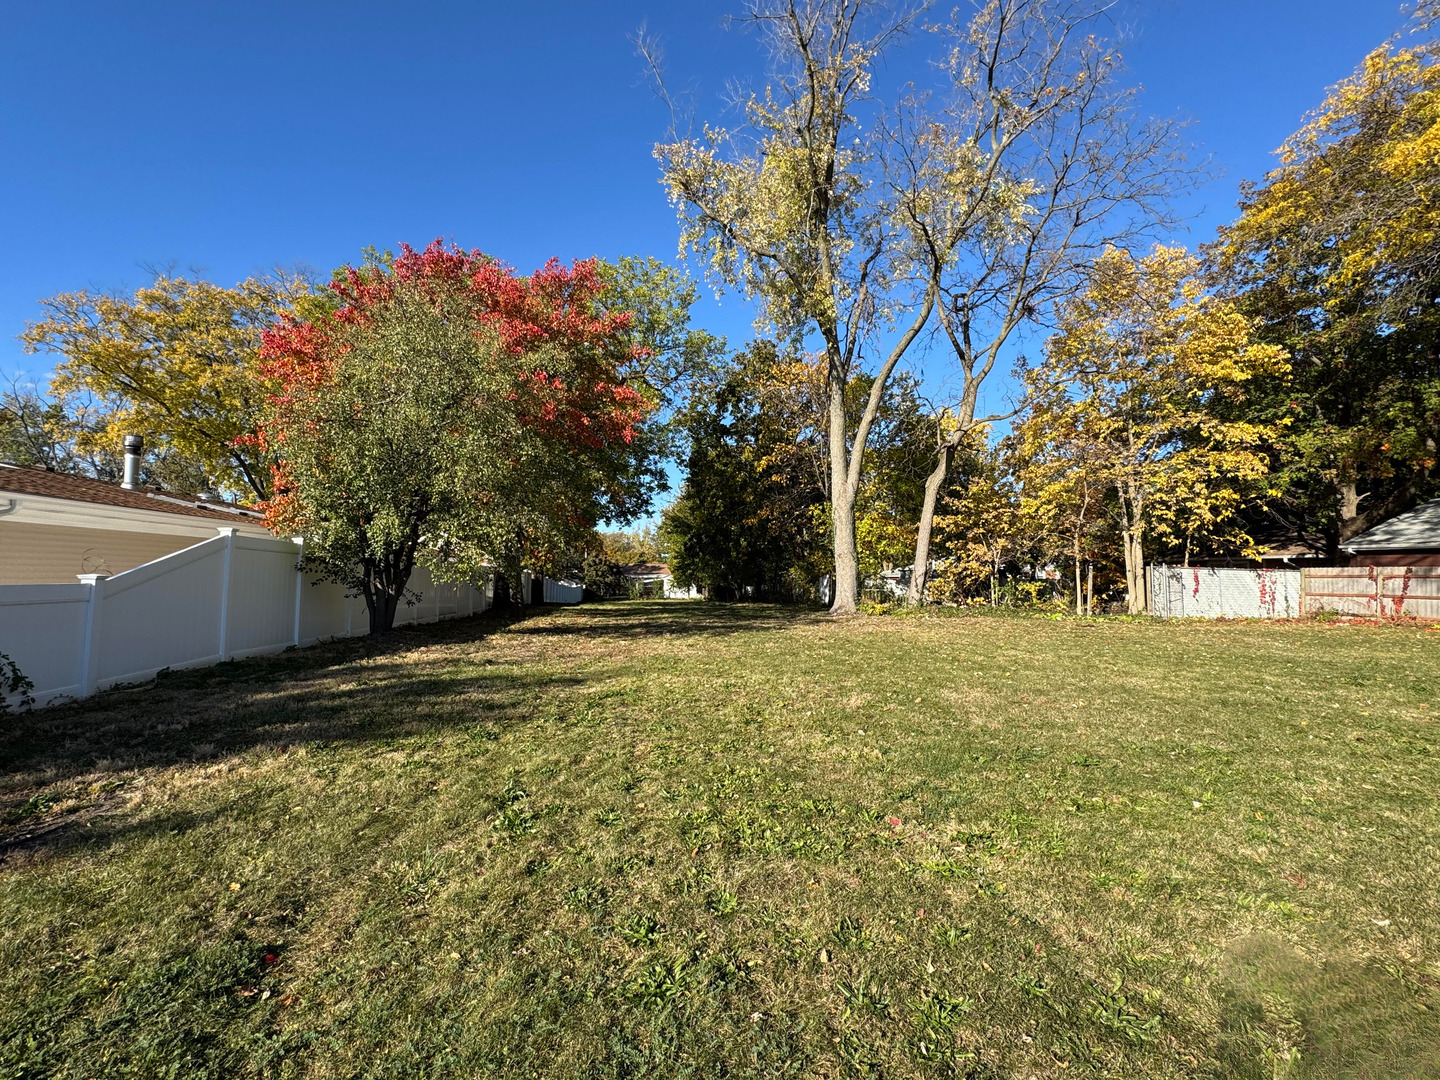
(222, 599)
(1210, 592)
(557, 592)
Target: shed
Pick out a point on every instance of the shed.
(654, 579)
(1409, 539)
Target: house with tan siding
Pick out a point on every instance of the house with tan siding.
(54, 526)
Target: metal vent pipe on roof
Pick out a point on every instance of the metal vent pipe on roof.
(134, 444)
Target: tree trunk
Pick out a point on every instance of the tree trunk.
(847, 555)
(920, 572)
(1089, 589)
(1349, 508)
(842, 495)
(382, 612)
(1079, 596)
(1133, 538)
(383, 582)
(845, 460)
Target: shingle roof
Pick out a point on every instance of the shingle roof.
(1415, 530)
(22, 480)
(646, 569)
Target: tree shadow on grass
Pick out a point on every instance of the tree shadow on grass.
(672, 618)
(379, 691)
(1341, 1015)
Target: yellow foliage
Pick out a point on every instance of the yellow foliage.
(177, 363)
(1119, 405)
(1363, 173)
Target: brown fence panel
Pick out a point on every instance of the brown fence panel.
(1410, 591)
(1386, 591)
(1348, 590)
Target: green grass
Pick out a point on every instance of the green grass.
(682, 840)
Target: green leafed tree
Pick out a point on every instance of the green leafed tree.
(748, 521)
(450, 411)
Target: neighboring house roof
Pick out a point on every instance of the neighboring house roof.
(646, 569)
(23, 480)
(1290, 551)
(1415, 530)
(1278, 540)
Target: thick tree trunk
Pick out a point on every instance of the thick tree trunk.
(1349, 509)
(842, 496)
(383, 583)
(1089, 589)
(847, 555)
(382, 612)
(920, 573)
(1133, 539)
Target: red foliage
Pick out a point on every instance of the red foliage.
(554, 310)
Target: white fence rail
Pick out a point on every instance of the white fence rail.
(222, 599)
(557, 592)
(1210, 592)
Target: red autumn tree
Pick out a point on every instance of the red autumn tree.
(442, 408)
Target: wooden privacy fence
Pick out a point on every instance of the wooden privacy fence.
(222, 599)
(1387, 592)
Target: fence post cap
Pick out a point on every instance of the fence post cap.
(91, 579)
(226, 530)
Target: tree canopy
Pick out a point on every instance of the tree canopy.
(450, 410)
(1124, 394)
(748, 523)
(1335, 252)
(177, 362)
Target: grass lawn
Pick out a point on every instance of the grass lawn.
(670, 839)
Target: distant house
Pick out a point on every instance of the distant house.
(895, 580)
(54, 526)
(654, 579)
(1410, 539)
(1282, 549)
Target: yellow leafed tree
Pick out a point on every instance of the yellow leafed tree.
(1335, 252)
(175, 362)
(1125, 389)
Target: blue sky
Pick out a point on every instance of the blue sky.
(237, 137)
